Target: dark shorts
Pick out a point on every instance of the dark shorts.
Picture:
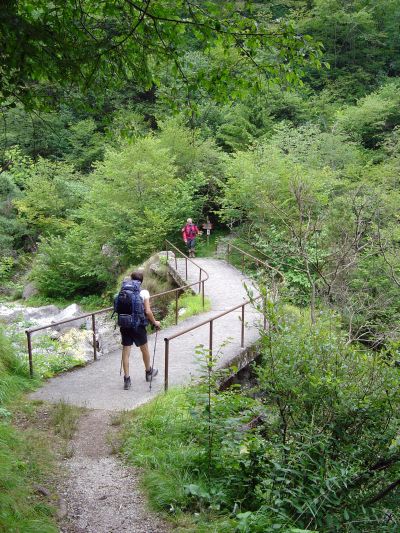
(130, 336)
(190, 244)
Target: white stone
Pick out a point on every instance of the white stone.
(69, 312)
(79, 344)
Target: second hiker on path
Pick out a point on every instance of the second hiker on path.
(189, 234)
(134, 313)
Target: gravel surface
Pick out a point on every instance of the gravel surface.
(100, 494)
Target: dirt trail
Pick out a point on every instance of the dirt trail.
(100, 494)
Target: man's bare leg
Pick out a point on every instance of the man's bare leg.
(146, 356)
(126, 350)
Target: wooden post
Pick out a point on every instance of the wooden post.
(210, 339)
(242, 332)
(94, 337)
(28, 335)
(166, 362)
(176, 307)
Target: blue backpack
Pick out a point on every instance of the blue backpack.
(129, 306)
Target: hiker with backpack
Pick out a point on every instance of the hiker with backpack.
(132, 304)
(189, 233)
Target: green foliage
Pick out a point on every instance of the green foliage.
(57, 272)
(86, 145)
(7, 264)
(52, 191)
(361, 43)
(24, 458)
(97, 46)
(51, 359)
(20, 464)
(188, 305)
(374, 117)
(136, 199)
(64, 419)
(315, 452)
(13, 372)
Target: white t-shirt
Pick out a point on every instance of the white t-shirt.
(144, 294)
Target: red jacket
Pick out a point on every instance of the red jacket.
(189, 231)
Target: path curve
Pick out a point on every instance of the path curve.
(99, 385)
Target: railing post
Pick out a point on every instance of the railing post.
(176, 307)
(210, 340)
(242, 333)
(176, 262)
(202, 292)
(28, 335)
(94, 337)
(200, 282)
(166, 362)
(186, 268)
(228, 252)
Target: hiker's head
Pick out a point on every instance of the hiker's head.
(137, 276)
(189, 221)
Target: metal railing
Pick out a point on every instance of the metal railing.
(211, 321)
(201, 281)
(203, 277)
(244, 254)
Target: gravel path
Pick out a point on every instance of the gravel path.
(101, 494)
(99, 385)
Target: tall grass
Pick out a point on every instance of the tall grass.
(162, 437)
(64, 419)
(13, 371)
(188, 305)
(23, 456)
(154, 440)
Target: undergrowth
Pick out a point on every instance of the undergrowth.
(314, 448)
(25, 458)
(188, 305)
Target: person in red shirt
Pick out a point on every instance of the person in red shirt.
(189, 233)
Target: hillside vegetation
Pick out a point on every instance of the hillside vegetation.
(279, 120)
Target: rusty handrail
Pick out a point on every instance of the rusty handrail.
(260, 261)
(211, 320)
(93, 314)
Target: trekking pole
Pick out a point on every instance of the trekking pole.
(154, 356)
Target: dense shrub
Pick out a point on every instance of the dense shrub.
(73, 265)
(319, 449)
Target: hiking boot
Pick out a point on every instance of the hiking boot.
(127, 382)
(152, 372)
